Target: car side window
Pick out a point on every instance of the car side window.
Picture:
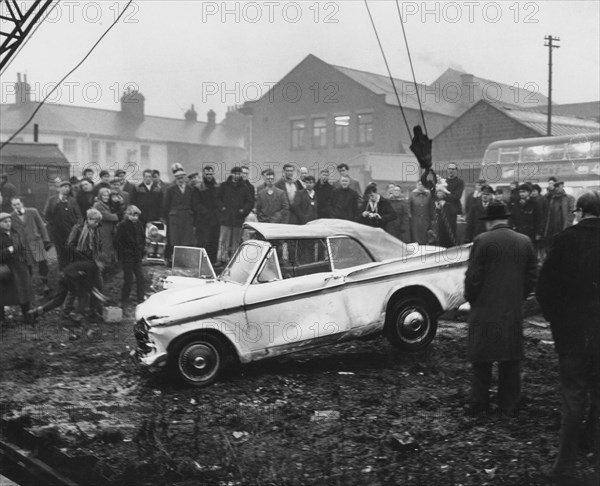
(346, 253)
(302, 257)
(270, 271)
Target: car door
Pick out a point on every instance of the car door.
(296, 311)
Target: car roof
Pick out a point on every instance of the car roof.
(379, 243)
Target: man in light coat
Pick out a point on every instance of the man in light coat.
(29, 223)
(500, 275)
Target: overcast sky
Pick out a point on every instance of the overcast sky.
(216, 54)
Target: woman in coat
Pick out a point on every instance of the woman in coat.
(107, 228)
(15, 287)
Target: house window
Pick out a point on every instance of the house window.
(145, 154)
(70, 147)
(319, 132)
(95, 152)
(342, 130)
(132, 156)
(298, 134)
(111, 152)
(365, 129)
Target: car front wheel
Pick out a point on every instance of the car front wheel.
(410, 325)
(199, 360)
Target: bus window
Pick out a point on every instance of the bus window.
(579, 150)
(510, 154)
(554, 152)
(532, 154)
(595, 150)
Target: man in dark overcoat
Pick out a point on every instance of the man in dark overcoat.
(235, 203)
(568, 292)
(147, 196)
(178, 212)
(205, 203)
(500, 275)
(324, 192)
(62, 213)
(130, 242)
(526, 215)
(344, 201)
(475, 225)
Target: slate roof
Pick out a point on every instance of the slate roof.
(82, 120)
(590, 110)
(561, 125)
(381, 85)
(440, 96)
(32, 154)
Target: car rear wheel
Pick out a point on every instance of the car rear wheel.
(200, 360)
(410, 325)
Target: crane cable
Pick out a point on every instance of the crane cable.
(66, 76)
(388, 68)
(411, 67)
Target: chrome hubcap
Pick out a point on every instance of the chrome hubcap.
(413, 325)
(199, 361)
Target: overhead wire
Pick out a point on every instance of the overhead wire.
(388, 68)
(67, 75)
(411, 67)
(14, 56)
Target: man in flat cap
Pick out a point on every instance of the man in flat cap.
(178, 212)
(500, 275)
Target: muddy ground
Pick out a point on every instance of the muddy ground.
(351, 414)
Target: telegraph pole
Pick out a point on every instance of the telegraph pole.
(550, 46)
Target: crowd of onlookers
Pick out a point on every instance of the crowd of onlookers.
(106, 219)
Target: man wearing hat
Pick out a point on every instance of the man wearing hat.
(177, 211)
(526, 216)
(500, 275)
(61, 213)
(235, 201)
(475, 225)
(568, 292)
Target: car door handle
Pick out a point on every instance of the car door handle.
(333, 277)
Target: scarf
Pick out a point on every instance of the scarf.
(85, 243)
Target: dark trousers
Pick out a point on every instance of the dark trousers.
(129, 270)
(207, 237)
(64, 254)
(509, 385)
(43, 270)
(579, 377)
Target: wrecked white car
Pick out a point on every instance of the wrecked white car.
(291, 288)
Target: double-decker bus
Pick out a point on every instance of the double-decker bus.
(573, 159)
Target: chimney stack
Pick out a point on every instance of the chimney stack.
(212, 119)
(22, 90)
(191, 115)
(132, 105)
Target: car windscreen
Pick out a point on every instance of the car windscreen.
(244, 262)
